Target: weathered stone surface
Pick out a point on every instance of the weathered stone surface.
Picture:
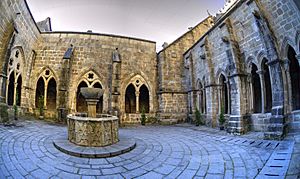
(93, 132)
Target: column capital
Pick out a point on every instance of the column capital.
(286, 64)
(260, 72)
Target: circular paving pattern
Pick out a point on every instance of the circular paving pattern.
(123, 146)
(160, 152)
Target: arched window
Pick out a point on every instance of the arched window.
(81, 105)
(144, 99)
(40, 93)
(224, 96)
(91, 80)
(51, 94)
(46, 91)
(201, 98)
(19, 90)
(130, 99)
(256, 90)
(137, 96)
(268, 90)
(11, 89)
(14, 86)
(295, 78)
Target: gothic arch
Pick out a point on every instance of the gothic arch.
(224, 93)
(15, 69)
(47, 81)
(98, 76)
(137, 81)
(261, 56)
(89, 79)
(286, 43)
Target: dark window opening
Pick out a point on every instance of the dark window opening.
(130, 99)
(40, 93)
(144, 99)
(81, 105)
(268, 87)
(11, 89)
(256, 88)
(100, 102)
(295, 78)
(51, 95)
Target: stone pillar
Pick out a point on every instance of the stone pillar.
(137, 95)
(263, 90)
(115, 82)
(92, 104)
(238, 120)
(277, 127)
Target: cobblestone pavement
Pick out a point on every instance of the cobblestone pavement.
(161, 152)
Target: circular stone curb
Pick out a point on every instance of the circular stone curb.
(123, 146)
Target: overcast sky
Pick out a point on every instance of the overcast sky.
(156, 20)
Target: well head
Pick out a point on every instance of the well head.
(91, 93)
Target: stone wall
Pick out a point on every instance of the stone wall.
(18, 32)
(93, 53)
(172, 97)
(252, 33)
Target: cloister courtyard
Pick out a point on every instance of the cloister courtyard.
(177, 151)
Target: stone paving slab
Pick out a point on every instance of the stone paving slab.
(161, 152)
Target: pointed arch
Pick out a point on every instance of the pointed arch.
(267, 85)
(15, 68)
(256, 90)
(40, 93)
(81, 105)
(19, 90)
(130, 99)
(286, 43)
(144, 99)
(99, 106)
(89, 78)
(294, 72)
(136, 81)
(51, 94)
(11, 88)
(224, 95)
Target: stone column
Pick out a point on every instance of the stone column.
(238, 120)
(277, 127)
(45, 95)
(263, 90)
(137, 95)
(15, 92)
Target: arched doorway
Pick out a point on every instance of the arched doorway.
(51, 94)
(130, 99)
(40, 93)
(268, 87)
(295, 78)
(81, 105)
(144, 99)
(11, 89)
(256, 89)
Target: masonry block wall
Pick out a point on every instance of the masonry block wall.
(171, 94)
(252, 46)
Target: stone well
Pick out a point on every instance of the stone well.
(93, 132)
